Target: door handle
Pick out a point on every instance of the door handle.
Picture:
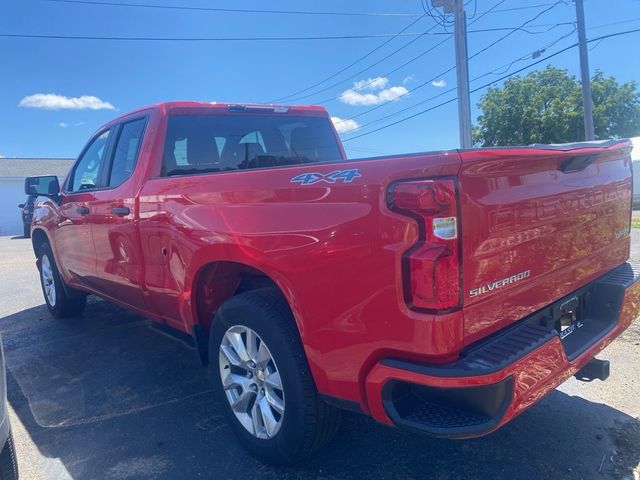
(83, 210)
(121, 211)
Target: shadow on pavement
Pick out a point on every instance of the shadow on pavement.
(113, 397)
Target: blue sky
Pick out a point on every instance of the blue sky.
(125, 75)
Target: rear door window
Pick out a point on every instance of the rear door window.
(219, 143)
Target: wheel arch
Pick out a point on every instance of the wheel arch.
(38, 237)
(215, 281)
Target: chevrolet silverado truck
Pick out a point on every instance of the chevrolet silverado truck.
(441, 292)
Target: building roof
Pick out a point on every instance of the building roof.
(28, 167)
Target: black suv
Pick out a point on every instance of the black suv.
(27, 214)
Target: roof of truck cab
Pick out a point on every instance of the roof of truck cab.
(168, 107)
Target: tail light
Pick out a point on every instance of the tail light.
(432, 266)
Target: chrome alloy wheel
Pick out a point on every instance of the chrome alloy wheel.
(48, 281)
(251, 382)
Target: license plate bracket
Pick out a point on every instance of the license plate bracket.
(570, 317)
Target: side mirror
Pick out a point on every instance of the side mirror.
(21, 205)
(46, 185)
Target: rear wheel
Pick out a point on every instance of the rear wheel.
(62, 301)
(263, 382)
(251, 382)
(26, 230)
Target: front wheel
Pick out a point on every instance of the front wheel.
(62, 301)
(263, 382)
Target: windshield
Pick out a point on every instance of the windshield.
(213, 143)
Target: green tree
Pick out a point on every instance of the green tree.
(546, 107)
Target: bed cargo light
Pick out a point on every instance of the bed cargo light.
(249, 108)
(432, 266)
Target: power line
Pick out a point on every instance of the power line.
(546, 25)
(235, 10)
(207, 39)
(386, 74)
(594, 27)
(451, 100)
(281, 12)
(228, 39)
(535, 54)
(598, 40)
(371, 52)
(475, 9)
(371, 82)
(502, 10)
(505, 68)
(524, 7)
(440, 18)
(250, 39)
(358, 73)
(479, 52)
(519, 28)
(611, 35)
(604, 25)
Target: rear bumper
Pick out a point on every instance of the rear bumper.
(494, 382)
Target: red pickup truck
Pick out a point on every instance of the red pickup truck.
(439, 292)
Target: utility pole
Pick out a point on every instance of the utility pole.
(585, 78)
(462, 66)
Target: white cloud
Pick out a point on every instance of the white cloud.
(439, 83)
(371, 84)
(372, 91)
(67, 124)
(344, 125)
(408, 79)
(52, 101)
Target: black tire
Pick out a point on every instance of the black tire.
(66, 301)
(8, 463)
(308, 423)
(26, 231)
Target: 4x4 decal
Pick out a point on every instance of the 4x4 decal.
(347, 176)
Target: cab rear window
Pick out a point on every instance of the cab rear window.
(218, 143)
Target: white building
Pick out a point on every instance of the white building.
(13, 171)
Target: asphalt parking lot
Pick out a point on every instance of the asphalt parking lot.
(109, 396)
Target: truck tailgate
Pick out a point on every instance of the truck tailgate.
(536, 224)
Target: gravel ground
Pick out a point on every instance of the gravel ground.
(109, 396)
